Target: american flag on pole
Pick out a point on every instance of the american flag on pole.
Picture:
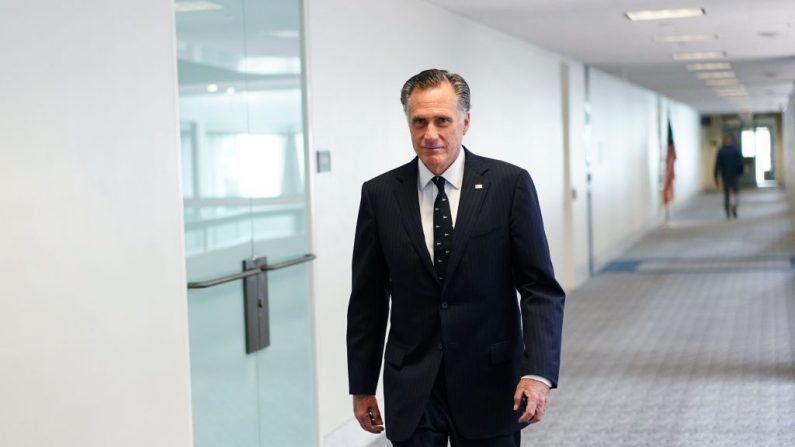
(670, 158)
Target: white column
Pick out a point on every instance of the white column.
(93, 315)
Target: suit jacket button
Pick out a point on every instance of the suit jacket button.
(444, 304)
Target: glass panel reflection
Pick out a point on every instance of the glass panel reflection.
(224, 380)
(243, 176)
(279, 224)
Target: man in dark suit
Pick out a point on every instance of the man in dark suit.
(729, 167)
(448, 239)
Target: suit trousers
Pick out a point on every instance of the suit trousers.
(731, 192)
(436, 426)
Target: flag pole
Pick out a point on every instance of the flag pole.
(668, 186)
(667, 215)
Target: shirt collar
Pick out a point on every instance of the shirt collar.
(454, 175)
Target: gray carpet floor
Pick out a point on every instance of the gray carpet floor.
(687, 340)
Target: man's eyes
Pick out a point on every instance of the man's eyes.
(441, 121)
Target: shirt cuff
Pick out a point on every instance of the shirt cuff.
(538, 379)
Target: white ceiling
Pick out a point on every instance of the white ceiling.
(758, 37)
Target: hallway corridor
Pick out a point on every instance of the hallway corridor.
(688, 339)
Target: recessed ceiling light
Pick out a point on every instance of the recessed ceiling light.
(709, 66)
(702, 55)
(212, 88)
(721, 82)
(661, 14)
(685, 38)
(193, 6)
(716, 75)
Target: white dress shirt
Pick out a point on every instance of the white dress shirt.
(427, 192)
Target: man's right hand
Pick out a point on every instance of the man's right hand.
(365, 408)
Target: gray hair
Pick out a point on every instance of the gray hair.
(434, 78)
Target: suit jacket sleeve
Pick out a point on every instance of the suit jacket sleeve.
(542, 298)
(368, 308)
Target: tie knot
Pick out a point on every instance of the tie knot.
(439, 182)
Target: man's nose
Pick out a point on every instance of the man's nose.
(431, 134)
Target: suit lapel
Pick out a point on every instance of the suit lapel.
(473, 191)
(406, 196)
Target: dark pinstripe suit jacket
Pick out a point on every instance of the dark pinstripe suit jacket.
(473, 320)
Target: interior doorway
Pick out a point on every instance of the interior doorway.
(757, 145)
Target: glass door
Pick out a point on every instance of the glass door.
(244, 182)
(757, 144)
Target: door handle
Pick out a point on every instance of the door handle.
(255, 296)
(247, 272)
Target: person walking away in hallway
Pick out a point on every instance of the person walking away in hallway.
(729, 166)
(442, 245)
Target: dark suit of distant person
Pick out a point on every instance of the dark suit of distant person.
(729, 167)
(465, 360)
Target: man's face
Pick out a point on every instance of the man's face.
(437, 126)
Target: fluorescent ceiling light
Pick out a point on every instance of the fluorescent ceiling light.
(193, 6)
(685, 38)
(729, 89)
(739, 87)
(731, 92)
(661, 14)
(709, 66)
(699, 55)
(716, 75)
(721, 82)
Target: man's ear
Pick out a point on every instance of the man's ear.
(466, 123)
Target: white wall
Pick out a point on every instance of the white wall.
(574, 269)
(93, 317)
(686, 124)
(624, 132)
(788, 124)
(628, 150)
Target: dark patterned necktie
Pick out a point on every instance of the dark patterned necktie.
(442, 229)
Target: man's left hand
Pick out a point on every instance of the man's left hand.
(536, 394)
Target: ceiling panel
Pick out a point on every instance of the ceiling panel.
(758, 38)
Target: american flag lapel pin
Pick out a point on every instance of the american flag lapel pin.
(478, 185)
